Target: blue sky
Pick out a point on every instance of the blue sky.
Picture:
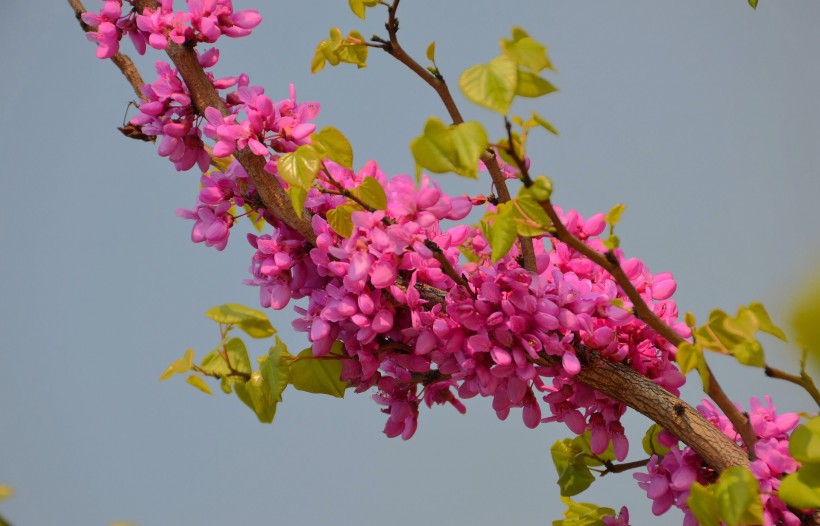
(703, 117)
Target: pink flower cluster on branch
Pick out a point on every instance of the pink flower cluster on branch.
(669, 478)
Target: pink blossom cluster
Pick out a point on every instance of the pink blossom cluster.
(205, 21)
(669, 479)
(502, 332)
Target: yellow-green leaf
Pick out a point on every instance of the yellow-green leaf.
(299, 168)
(532, 85)
(650, 441)
(358, 6)
(805, 315)
(503, 231)
(753, 3)
(530, 218)
(179, 366)
(320, 375)
(456, 149)
(582, 514)
(257, 395)
(255, 323)
(802, 489)
(544, 123)
(614, 214)
(238, 356)
(804, 444)
(491, 85)
(526, 51)
(703, 505)
(297, 198)
(340, 221)
(371, 193)
(332, 144)
(688, 357)
(738, 497)
(199, 383)
(431, 52)
(275, 369)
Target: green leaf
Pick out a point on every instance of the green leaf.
(371, 192)
(352, 49)
(431, 52)
(255, 323)
(257, 394)
(582, 514)
(275, 369)
(503, 232)
(532, 85)
(650, 441)
(238, 356)
(573, 473)
(541, 189)
(703, 505)
(215, 364)
(753, 3)
(765, 323)
(457, 148)
(319, 375)
(804, 444)
(738, 497)
(332, 144)
(340, 221)
(297, 198)
(530, 217)
(802, 489)
(491, 85)
(358, 6)
(544, 123)
(299, 168)
(199, 383)
(179, 366)
(689, 356)
(735, 335)
(614, 214)
(526, 51)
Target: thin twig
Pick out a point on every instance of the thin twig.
(121, 60)
(437, 82)
(804, 380)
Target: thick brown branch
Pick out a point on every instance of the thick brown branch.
(610, 263)
(122, 61)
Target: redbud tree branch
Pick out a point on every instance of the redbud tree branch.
(437, 82)
(615, 380)
(804, 380)
(122, 61)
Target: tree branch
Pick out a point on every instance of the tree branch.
(122, 61)
(610, 263)
(437, 82)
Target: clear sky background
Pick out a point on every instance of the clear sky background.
(702, 116)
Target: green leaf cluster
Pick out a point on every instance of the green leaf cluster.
(802, 488)
(732, 335)
(259, 388)
(583, 514)
(516, 72)
(734, 499)
(457, 148)
(300, 167)
(522, 216)
(573, 458)
(336, 50)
